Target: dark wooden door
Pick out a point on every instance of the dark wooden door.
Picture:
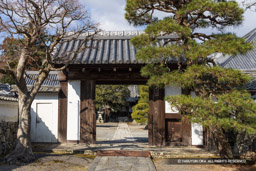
(178, 131)
(174, 129)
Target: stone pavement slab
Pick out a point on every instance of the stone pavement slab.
(123, 133)
(122, 163)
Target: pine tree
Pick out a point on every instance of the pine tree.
(218, 90)
(140, 110)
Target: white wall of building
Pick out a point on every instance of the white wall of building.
(197, 134)
(171, 91)
(196, 130)
(73, 118)
(8, 111)
(44, 118)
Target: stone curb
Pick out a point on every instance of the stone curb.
(154, 154)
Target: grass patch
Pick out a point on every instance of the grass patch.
(85, 156)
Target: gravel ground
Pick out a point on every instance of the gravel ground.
(163, 165)
(53, 162)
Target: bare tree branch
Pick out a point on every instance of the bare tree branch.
(41, 26)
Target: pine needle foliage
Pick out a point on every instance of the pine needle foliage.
(221, 103)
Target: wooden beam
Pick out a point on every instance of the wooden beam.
(173, 116)
(121, 82)
(62, 112)
(106, 76)
(87, 112)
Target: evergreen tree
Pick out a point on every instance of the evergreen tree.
(114, 96)
(193, 50)
(7, 79)
(140, 110)
(9, 56)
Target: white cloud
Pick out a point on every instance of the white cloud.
(110, 15)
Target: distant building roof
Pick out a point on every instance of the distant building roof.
(6, 94)
(245, 61)
(51, 83)
(112, 47)
(8, 98)
(5, 90)
(251, 85)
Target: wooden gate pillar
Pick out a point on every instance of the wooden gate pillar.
(62, 105)
(156, 118)
(87, 112)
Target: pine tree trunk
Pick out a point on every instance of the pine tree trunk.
(222, 144)
(23, 150)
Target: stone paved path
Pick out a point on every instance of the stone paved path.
(122, 163)
(123, 133)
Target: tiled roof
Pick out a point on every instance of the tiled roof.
(45, 89)
(251, 85)
(8, 98)
(6, 94)
(51, 84)
(245, 61)
(51, 80)
(107, 48)
(5, 91)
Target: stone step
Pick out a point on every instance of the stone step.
(123, 153)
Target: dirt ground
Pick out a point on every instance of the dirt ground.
(53, 162)
(163, 165)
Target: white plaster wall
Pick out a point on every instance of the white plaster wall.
(171, 91)
(52, 122)
(196, 130)
(197, 134)
(73, 118)
(8, 111)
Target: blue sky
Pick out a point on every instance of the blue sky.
(110, 15)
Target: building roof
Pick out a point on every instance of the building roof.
(6, 94)
(51, 83)
(106, 48)
(8, 98)
(251, 85)
(245, 61)
(5, 90)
